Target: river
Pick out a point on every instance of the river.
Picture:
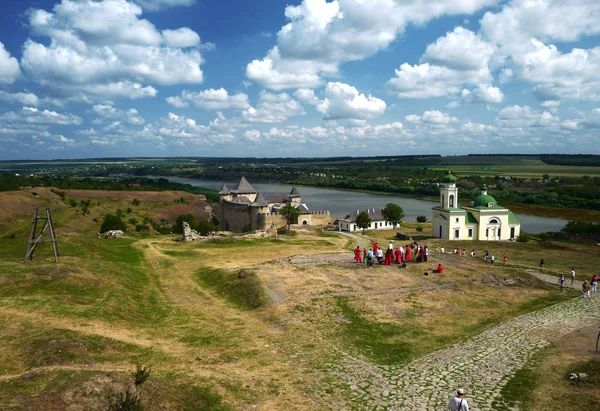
(341, 202)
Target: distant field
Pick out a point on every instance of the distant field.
(532, 170)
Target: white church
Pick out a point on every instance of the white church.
(482, 220)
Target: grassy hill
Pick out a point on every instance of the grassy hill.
(240, 323)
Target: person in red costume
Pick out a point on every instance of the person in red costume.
(398, 256)
(389, 256)
(375, 248)
(439, 269)
(357, 255)
(407, 255)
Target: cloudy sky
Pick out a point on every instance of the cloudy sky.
(90, 78)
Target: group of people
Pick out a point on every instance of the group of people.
(486, 255)
(391, 255)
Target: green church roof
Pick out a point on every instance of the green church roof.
(483, 200)
(512, 218)
(449, 178)
(470, 219)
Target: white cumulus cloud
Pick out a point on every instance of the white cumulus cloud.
(9, 67)
(211, 99)
(321, 35)
(459, 58)
(273, 108)
(106, 49)
(343, 101)
(181, 38)
(483, 93)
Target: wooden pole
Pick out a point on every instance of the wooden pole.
(31, 238)
(52, 235)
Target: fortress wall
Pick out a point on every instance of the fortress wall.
(234, 217)
(321, 218)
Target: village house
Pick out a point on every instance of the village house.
(378, 222)
(482, 220)
(244, 209)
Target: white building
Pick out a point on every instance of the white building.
(483, 219)
(378, 222)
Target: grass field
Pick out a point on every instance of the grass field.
(235, 323)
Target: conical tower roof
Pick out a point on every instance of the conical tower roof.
(224, 190)
(260, 201)
(243, 187)
(294, 191)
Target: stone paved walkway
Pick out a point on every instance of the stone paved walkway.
(482, 364)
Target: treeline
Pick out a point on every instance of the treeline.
(12, 183)
(572, 160)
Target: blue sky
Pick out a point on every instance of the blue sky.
(89, 78)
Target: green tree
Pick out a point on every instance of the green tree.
(363, 220)
(393, 213)
(290, 215)
(421, 219)
(188, 218)
(112, 222)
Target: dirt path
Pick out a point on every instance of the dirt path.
(482, 364)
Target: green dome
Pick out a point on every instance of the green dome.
(483, 200)
(449, 178)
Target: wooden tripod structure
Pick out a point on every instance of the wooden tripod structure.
(33, 241)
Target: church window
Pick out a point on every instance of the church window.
(451, 201)
(443, 201)
(470, 233)
(457, 219)
(491, 205)
(456, 233)
(494, 221)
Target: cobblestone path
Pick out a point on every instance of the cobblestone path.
(482, 364)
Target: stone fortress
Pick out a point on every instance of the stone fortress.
(482, 220)
(243, 209)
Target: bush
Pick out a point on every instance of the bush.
(247, 228)
(188, 218)
(544, 236)
(421, 219)
(136, 202)
(205, 227)
(112, 222)
(72, 203)
(59, 193)
(129, 210)
(141, 227)
(523, 238)
(419, 228)
(133, 221)
(131, 400)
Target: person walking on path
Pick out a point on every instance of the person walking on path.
(572, 275)
(505, 258)
(561, 281)
(357, 254)
(594, 283)
(542, 264)
(586, 290)
(492, 258)
(370, 257)
(485, 255)
(458, 403)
